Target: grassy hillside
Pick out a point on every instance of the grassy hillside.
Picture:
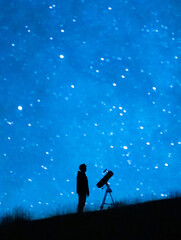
(148, 221)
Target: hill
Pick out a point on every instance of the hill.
(145, 221)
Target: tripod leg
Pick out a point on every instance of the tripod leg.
(104, 199)
(111, 198)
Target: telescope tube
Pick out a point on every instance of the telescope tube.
(105, 179)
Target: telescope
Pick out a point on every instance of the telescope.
(105, 179)
(101, 183)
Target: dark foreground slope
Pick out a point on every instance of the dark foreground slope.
(147, 221)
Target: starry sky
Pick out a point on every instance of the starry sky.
(94, 82)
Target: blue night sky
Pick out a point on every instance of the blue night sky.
(87, 81)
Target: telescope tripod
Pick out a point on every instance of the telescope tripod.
(108, 190)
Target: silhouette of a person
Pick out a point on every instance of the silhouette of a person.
(82, 187)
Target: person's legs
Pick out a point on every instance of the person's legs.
(81, 204)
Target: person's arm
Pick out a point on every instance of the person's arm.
(87, 188)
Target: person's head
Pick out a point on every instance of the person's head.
(83, 167)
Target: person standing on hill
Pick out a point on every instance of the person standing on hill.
(82, 187)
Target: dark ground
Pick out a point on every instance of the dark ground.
(145, 221)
